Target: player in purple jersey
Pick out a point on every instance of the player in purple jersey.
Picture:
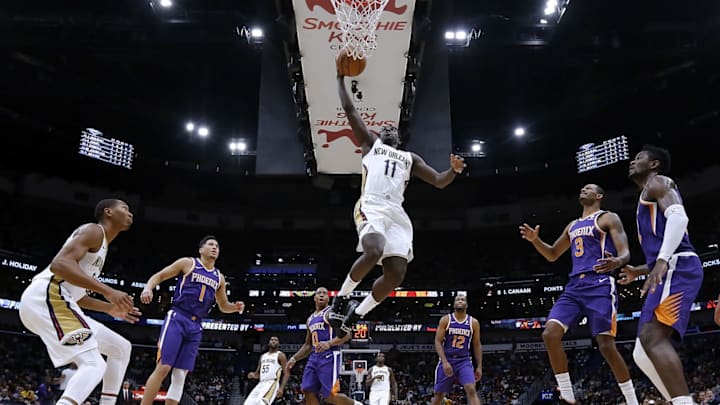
(200, 286)
(591, 290)
(321, 377)
(453, 338)
(675, 279)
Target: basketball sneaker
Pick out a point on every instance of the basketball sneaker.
(335, 316)
(350, 319)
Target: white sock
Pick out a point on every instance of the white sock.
(565, 386)
(683, 400)
(366, 305)
(348, 286)
(63, 401)
(628, 391)
(106, 399)
(358, 403)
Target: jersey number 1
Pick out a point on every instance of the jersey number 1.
(387, 167)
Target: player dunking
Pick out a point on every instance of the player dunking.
(381, 380)
(384, 230)
(322, 371)
(271, 365)
(590, 292)
(200, 286)
(675, 278)
(453, 338)
(51, 308)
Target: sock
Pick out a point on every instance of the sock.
(348, 286)
(565, 386)
(366, 305)
(628, 391)
(358, 403)
(63, 401)
(683, 400)
(107, 399)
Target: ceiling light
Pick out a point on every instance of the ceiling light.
(256, 33)
(519, 131)
(241, 145)
(203, 131)
(461, 35)
(232, 146)
(189, 126)
(166, 3)
(552, 3)
(449, 35)
(543, 21)
(475, 147)
(549, 10)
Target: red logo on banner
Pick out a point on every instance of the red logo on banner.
(327, 6)
(332, 136)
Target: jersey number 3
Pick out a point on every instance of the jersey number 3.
(579, 250)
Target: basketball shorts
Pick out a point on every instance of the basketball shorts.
(463, 374)
(374, 214)
(47, 311)
(591, 295)
(322, 374)
(179, 341)
(264, 393)
(379, 397)
(671, 302)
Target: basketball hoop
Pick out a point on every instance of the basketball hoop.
(359, 367)
(358, 21)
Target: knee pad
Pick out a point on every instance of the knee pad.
(177, 383)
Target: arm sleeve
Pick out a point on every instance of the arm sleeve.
(675, 229)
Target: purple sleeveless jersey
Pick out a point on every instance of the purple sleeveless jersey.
(588, 243)
(458, 338)
(322, 371)
(651, 230)
(181, 333)
(195, 292)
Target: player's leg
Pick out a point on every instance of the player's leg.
(311, 399)
(169, 346)
(328, 376)
(185, 361)
(600, 304)
(562, 315)
(370, 225)
(465, 374)
(442, 386)
(90, 369)
(472, 395)
(665, 316)
(117, 350)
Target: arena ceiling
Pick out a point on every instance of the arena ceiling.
(647, 69)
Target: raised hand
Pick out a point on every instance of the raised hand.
(457, 163)
(528, 233)
(146, 296)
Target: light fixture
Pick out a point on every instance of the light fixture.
(476, 147)
(166, 3)
(460, 35)
(232, 146)
(543, 21)
(549, 10)
(189, 126)
(461, 38)
(203, 131)
(241, 146)
(519, 131)
(552, 3)
(449, 35)
(256, 33)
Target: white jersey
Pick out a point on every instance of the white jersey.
(270, 369)
(386, 172)
(91, 264)
(382, 383)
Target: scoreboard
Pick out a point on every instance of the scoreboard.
(591, 156)
(109, 150)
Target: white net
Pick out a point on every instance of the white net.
(358, 21)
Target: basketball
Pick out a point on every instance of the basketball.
(349, 66)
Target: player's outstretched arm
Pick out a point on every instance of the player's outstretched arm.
(362, 134)
(66, 264)
(551, 253)
(94, 304)
(224, 305)
(393, 385)
(286, 376)
(303, 352)
(182, 265)
(613, 225)
(429, 175)
(439, 341)
(477, 348)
